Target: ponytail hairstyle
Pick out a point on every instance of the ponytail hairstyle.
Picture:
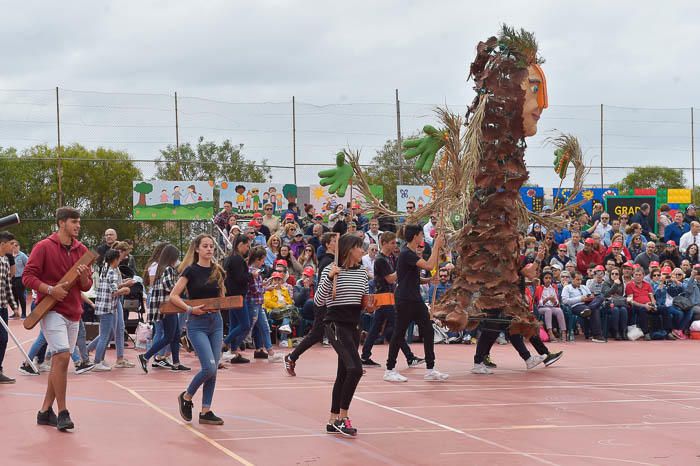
(167, 258)
(154, 258)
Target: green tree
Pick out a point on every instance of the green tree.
(209, 161)
(384, 171)
(143, 188)
(290, 192)
(651, 177)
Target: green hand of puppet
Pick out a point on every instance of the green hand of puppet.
(337, 178)
(561, 162)
(425, 148)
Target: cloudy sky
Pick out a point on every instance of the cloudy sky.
(235, 66)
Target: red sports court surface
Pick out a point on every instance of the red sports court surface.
(621, 403)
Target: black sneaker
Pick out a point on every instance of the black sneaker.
(344, 426)
(144, 363)
(238, 359)
(586, 313)
(6, 379)
(64, 422)
(488, 363)
(416, 362)
(27, 369)
(330, 429)
(84, 366)
(161, 364)
(210, 418)
(47, 418)
(369, 363)
(260, 354)
(289, 365)
(179, 367)
(552, 358)
(185, 407)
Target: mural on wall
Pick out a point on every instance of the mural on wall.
(249, 198)
(325, 203)
(173, 200)
(419, 195)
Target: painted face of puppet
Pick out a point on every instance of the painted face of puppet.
(535, 87)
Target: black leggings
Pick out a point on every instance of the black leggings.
(314, 336)
(405, 313)
(344, 338)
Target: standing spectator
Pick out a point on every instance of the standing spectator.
(360, 219)
(648, 256)
(368, 260)
(6, 299)
(675, 230)
(50, 260)
(428, 229)
(386, 222)
(317, 220)
(236, 283)
(270, 221)
(691, 237)
(221, 219)
(316, 234)
(690, 215)
(110, 238)
(18, 290)
(642, 217)
(372, 235)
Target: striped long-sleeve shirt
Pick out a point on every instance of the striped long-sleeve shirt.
(352, 285)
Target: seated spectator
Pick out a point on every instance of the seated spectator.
(547, 300)
(670, 315)
(691, 237)
(601, 226)
(579, 298)
(616, 254)
(261, 228)
(341, 223)
(690, 215)
(564, 279)
(671, 253)
(692, 291)
(297, 244)
(550, 245)
(633, 230)
(278, 304)
(587, 256)
(373, 233)
(317, 220)
(640, 295)
(271, 221)
(664, 220)
(692, 254)
(308, 257)
(253, 232)
(574, 246)
(614, 230)
(281, 266)
(272, 249)
(653, 267)
(288, 231)
(614, 292)
(556, 273)
(443, 284)
(304, 294)
(675, 230)
(648, 256)
(636, 245)
(360, 220)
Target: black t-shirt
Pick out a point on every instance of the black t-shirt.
(383, 266)
(408, 277)
(198, 284)
(10, 259)
(236, 276)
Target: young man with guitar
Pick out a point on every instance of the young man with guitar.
(50, 261)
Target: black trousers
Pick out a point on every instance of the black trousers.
(314, 336)
(3, 335)
(344, 338)
(383, 314)
(405, 313)
(19, 292)
(484, 344)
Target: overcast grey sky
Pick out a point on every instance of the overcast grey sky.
(624, 54)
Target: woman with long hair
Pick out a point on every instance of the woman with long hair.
(292, 264)
(239, 319)
(201, 277)
(148, 278)
(692, 254)
(636, 245)
(344, 306)
(152, 263)
(163, 282)
(614, 292)
(273, 249)
(308, 258)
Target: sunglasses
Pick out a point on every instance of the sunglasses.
(656, 275)
(614, 273)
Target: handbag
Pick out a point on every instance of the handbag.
(682, 302)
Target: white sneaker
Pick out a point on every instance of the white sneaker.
(228, 355)
(277, 357)
(102, 367)
(326, 342)
(534, 361)
(481, 369)
(45, 366)
(394, 376)
(435, 375)
(501, 340)
(284, 343)
(285, 329)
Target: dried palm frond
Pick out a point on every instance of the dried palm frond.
(520, 42)
(374, 206)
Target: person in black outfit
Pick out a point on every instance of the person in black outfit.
(236, 282)
(642, 217)
(409, 303)
(329, 241)
(341, 291)
(385, 282)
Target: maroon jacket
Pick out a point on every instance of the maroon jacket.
(48, 263)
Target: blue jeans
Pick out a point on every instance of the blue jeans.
(238, 332)
(686, 319)
(674, 317)
(618, 320)
(157, 335)
(101, 342)
(170, 335)
(383, 314)
(206, 332)
(36, 346)
(118, 330)
(80, 352)
(262, 328)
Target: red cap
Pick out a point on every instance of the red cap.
(253, 224)
(617, 244)
(257, 215)
(562, 247)
(277, 275)
(653, 264)
(289, 217)
(628, 264)
(670, 243)
(599, 268)
(356, 206)
(589, 241)
(309, 271)
(281, 262)
(696, 266)
(666, 269)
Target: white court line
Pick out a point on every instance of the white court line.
(648, 399)
(458, 431)
(604, 458)
(323, 434)
(23, 343)
(673, 401)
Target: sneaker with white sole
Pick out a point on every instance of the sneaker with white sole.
(102, 367)
(45, 366)
(434, 375)
(415, 362)
(275, 357)
(534, 361)
(394, 376)
(84, 367)
(481, 369)
(501, 340)
(285, 329)
(284, 343)
(27, 369)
